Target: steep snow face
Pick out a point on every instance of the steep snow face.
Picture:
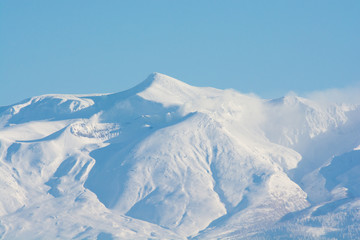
(167, 160)
(186, 183)
(304, 119)
(315, 130)
(342, 175)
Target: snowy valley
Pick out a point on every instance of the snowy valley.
(166, 160)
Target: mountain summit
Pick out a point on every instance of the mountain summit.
(159, 80)
(166, 160)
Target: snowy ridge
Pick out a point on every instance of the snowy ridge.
(166, 160)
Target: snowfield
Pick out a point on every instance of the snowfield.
(166, 160)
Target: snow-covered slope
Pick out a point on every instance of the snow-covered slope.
(166, 160)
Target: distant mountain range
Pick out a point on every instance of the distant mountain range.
(166, 160)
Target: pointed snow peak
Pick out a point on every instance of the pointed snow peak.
(153, 81)
(290, 99)
(164, 81)
(167, 90)
(157, 80)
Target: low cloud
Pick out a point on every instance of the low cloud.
(347, 95)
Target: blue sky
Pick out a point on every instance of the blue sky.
(265, 47)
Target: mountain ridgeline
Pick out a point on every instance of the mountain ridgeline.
(166, 160)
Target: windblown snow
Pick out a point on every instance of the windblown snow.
(166, 160)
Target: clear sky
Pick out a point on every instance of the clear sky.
(265, 47)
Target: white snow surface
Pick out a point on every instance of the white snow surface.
(166, 160)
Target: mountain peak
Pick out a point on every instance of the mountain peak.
(156, 80)
(159, 87)
(163, 80)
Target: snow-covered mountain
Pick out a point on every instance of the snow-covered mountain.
(166, 160)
